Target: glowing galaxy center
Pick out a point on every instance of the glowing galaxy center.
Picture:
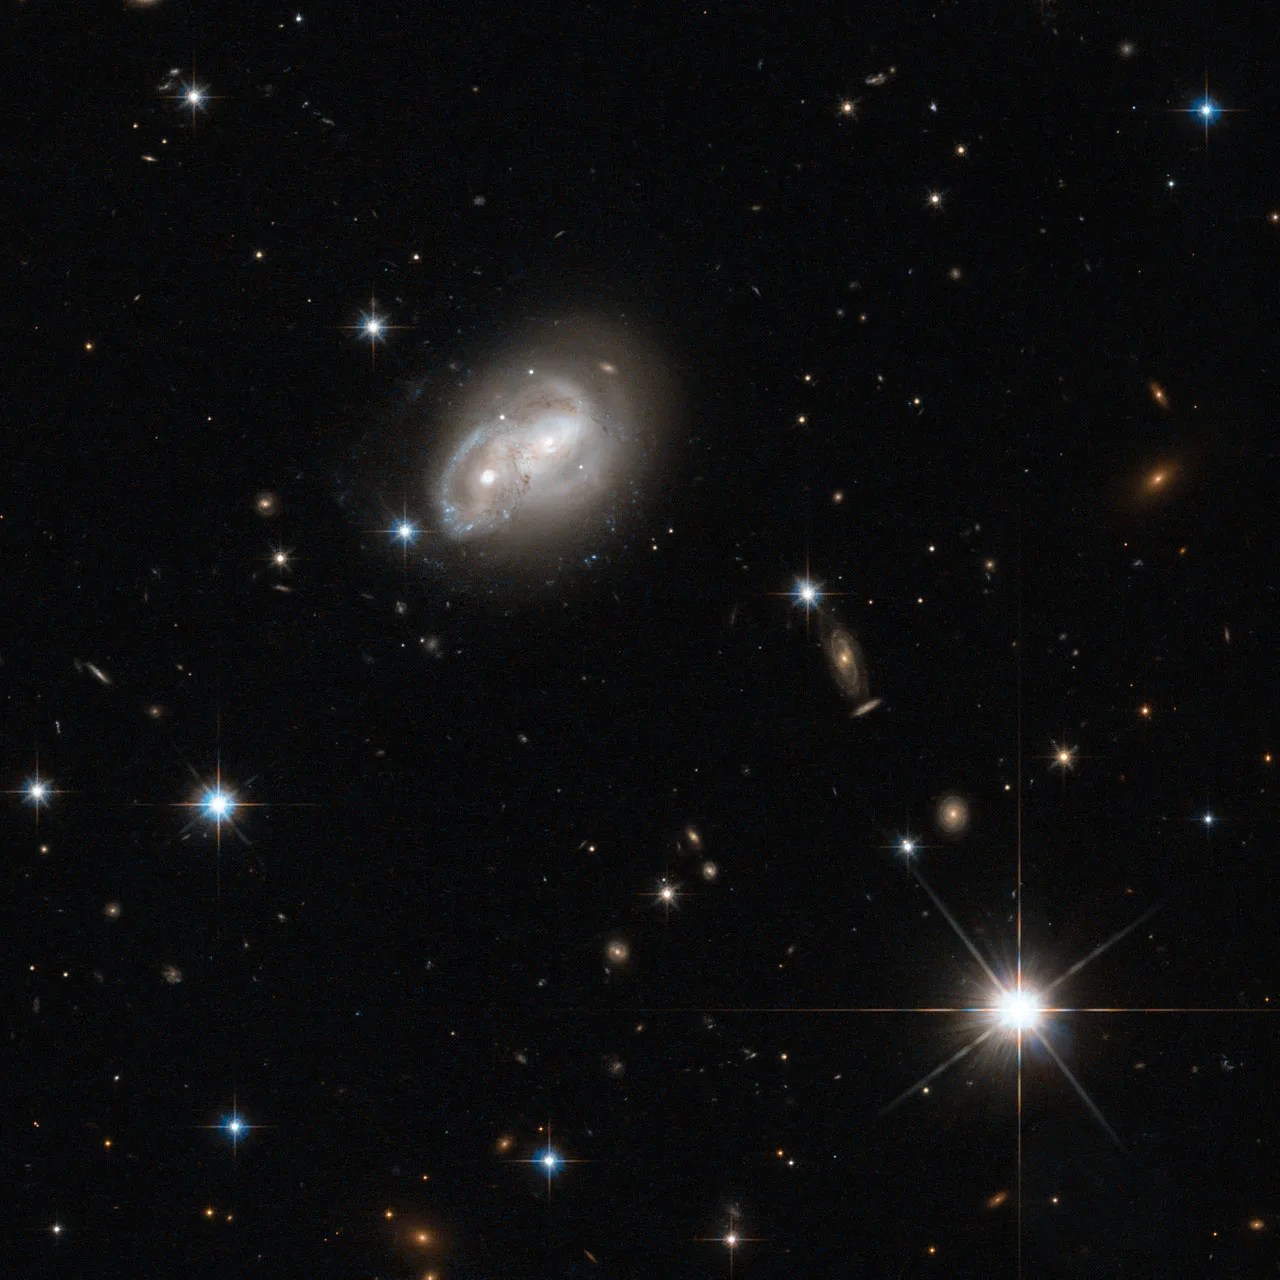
(550, 444)
(1018, 1010)
(546, 455)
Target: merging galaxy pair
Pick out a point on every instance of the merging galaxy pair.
(538, 455)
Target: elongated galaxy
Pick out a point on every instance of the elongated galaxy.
(847, 664)
(551, 443)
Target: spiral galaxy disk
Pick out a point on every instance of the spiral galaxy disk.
(550, 444)
(847, 665)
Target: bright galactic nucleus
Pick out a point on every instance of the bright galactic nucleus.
(550, 443)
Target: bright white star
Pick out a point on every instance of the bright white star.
(1018, 1009)
(218, 805)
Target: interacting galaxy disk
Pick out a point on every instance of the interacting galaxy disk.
(539, 453)
(550, 444)
(529, 457)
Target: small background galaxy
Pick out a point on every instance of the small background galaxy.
(380, 907)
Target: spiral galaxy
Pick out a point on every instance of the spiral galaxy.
(847, 665)
(551, 443)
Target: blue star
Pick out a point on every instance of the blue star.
(1207, 109)
(218, 805)
(404, 532)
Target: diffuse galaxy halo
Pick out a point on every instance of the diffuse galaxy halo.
(531, 458)
(551, 442)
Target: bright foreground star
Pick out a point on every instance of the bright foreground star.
(1019, 1009)
(218, 805)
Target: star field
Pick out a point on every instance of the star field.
(641, 642)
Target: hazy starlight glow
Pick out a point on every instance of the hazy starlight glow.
(1018, 1009)
(218, 805)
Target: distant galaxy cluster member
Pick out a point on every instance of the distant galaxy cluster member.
(550, 443)
(847, 665)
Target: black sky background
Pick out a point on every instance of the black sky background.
(401, 959)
